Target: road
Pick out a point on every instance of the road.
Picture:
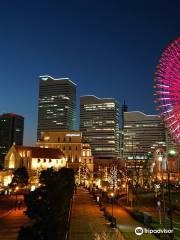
(6, 204)
(11, 223)
(87, 220)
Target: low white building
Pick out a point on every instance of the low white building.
(34, 158)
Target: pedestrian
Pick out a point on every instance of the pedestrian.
(19, 204)
(15, 206)
(75, 188)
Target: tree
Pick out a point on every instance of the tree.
(48, 206)
(20, 177)
(84, 172)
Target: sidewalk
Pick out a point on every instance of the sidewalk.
(127, 224)
(86, 218)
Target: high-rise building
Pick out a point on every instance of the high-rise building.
(11, 131)
(99, 123)
(170, 143)
(57, 104)
(124, 108)
(141, 133)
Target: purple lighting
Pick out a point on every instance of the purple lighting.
(167, 88)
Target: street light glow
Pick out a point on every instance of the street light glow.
(160, 158)
(112, 194)
(172, 152)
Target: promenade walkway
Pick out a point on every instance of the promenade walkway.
(127, 224)
(87, 220)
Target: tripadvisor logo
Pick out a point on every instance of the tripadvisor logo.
(139, 231)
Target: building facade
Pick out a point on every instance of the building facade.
(99, 123)
(11, 131)
(141, 133)
(57, 104)
(34, 158)
(70, 143)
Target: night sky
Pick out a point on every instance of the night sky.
(109, 48)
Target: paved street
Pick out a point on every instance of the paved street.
(6, 204)
(86, 218)
(11, 223)
(127, 224)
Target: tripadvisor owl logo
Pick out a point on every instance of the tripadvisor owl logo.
(139, 231)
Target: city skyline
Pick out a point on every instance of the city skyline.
(91, 43)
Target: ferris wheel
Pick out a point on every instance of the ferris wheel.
(167, 88)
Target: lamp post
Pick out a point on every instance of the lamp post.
(113, 220)
(167, 168)
(172, 153)
(161, 159)
(16, 190)
(112, 195)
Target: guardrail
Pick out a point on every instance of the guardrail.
(69, 219)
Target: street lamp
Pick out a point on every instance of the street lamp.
(113, 220)
(167, 168)
(170, 153)
(16, 190)
(162, 167)
(112, 195)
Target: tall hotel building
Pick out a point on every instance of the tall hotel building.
(11, 131)
(141, 133)
(57, 104)
(99, 123)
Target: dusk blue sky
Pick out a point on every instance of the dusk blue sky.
(109, 48)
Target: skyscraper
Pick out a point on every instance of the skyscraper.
(141, 133)
(57, 104)
(99, 123)
(11, 131)
(124, 108)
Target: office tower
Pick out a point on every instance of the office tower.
(171, 143)
(99, 123)
(11, 131)
(57, 104)
(124, 108)
(141, 133)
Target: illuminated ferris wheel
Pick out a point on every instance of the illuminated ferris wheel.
(167, 88)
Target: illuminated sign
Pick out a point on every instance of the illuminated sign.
(73, 135)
